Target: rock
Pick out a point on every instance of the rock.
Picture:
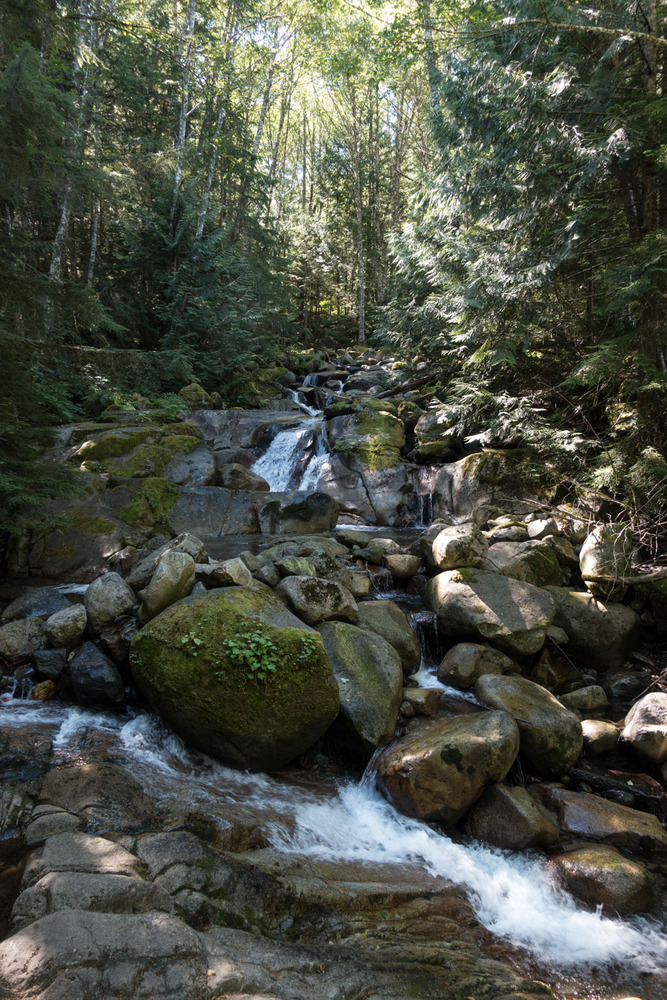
(586, 815)
(378, 548)
(174, 578)
(309, 513)
(49, 825)
(599, 736)
(506, 533)
(195, 397)
(483, 513)
(436, 437)
(116, 639)
(438, 772)
(228, 573)
(459, 545)
(623, 685)
(598, 875)
(551, 737)
(474, 604)
(95, 678)
(16, 809)
(80, 852)
(601, 635)
(386, 619)
(140, 574)
(236, 477)
(316, 600)
(370, 679)
(467, 661)
(50, 662)
(543, 527)
(107, 598)
(533, 562)
(554, 672)
(157, 851)
(186, 663)
(421, 701)
(268, 574)
(359, 584)
(564, 551)
(605, 556)
(105, 795)
(402, 567)
(591, 698)
(193, 467)
(65, 628)
(43, 691)
(488, 476)
(38, 602)
(645, 727)
(509, 818)
(20, 639)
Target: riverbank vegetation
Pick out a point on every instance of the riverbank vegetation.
(190, 191)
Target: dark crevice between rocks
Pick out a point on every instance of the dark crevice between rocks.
(13, 858)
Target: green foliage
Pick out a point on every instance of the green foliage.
(253, 651)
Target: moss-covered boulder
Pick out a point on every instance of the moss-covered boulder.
(387, 620)
(100, 446)
(370, 678)
(493, 476)
(368, 438)
(532, 561)
(237, 675)
(195, 397)
(605, 559)
(551, 736)
(437, 437)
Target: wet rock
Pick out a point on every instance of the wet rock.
(38, 602)
(116, 638)
(140, 574)
(591, 698)
(601, 635)
(43, 691)
(105, 794)
(158, 851)
(586, 815)
(65, 628)
(605, 557)
(315, 600)
(467, 661)
(599, 736)
(386, 619)
(20, 639)
(107, 598)
(370, 678)
(95, 678)
(440, 770)
(214, 696)
(474, 604)
(421, 701)
(533, 562)
(599, 875)
(508, 817)
(15, 810)
(401, 566)
(459, 545)
(645, 728)
(50, 662)
(553, 671)
(174, 578)
(551, 737)
(236, 477)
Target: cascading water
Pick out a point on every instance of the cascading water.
(278, 464)
(318, 463)
(512, 895)
(295, 396)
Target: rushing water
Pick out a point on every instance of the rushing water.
(278, 464)
(512, 895)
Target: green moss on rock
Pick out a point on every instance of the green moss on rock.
(153, 459)
(114, 443)
(151, 504)
(210, 698)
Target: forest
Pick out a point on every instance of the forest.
(191, 191)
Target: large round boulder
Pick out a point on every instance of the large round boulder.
(645, 728)
(370, 678)
(440, 770)
(605, 559)
(532, 561)
(551, 736)
(459, 545)
(599, 875)
(474, 604)
(238, 675)
(106, 598)
(465, 662)
(316, 600)
(510, 818)
(600, 635)
(387, 620)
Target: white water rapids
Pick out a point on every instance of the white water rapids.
(512, 895)
(278, 465)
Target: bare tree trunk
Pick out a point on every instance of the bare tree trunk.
(358, 198)
(431, 64)
(184, 55)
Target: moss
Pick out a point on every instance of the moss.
(89, 524)
(182, 427)
(195, 396)
(153, 459)
(113, 444)
(151, 504)
(378, 440)
(510, 469)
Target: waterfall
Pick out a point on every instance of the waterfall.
(426, 475)
(317, 463)
(278, 464)
(295, 395)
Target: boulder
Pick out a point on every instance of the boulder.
(238, 675)
(438, 771)
(600, 635)
(589, 816)
(464, 663)
(532, 561)
(591, 698)
(598, 875)
(507, 533)
(605, 556)
(370, 679)
(645, 727)
(236, 477)
(402, 566)
(437, 438)
(65, 628)
(95, 678)
(314, 600)
(20, 639)
(38, 602)
(174, 578)
(551, 737)
(388, 621)
(195, 397)
(50, 662)
(599, 736)
(474, 604)
(543, 527)
(227, 573)
(192, 467)
(141, 572)
(459, 545)
(508, 817)
(107, 598)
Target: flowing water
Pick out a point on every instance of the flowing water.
(279, 462)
